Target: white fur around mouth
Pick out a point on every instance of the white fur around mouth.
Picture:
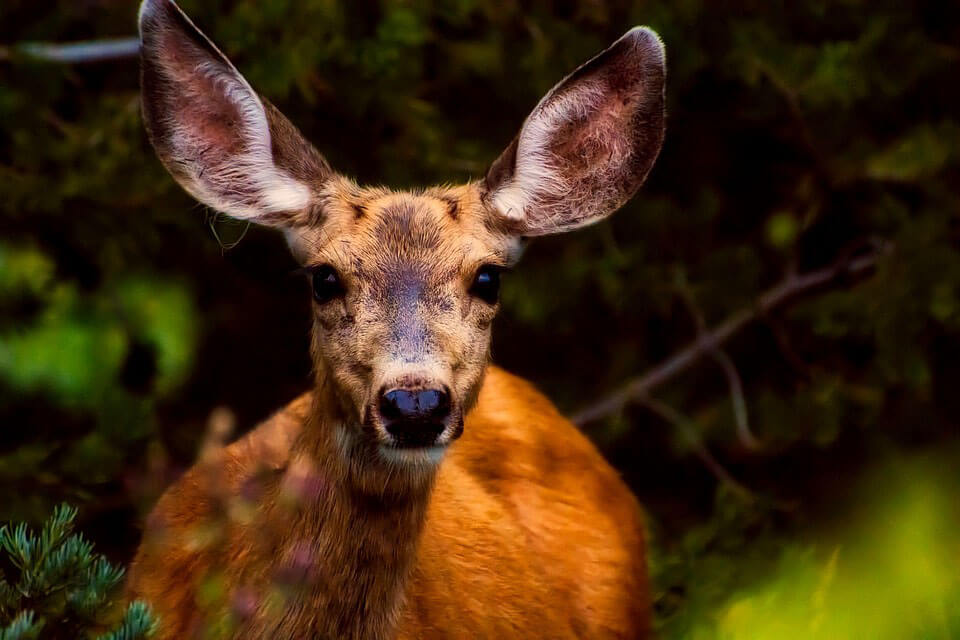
(409, 455)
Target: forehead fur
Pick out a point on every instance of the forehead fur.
(439, 228)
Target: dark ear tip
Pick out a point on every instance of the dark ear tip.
(154, 10)
(648, 43)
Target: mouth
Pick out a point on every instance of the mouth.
(430, 455)
(418, 441)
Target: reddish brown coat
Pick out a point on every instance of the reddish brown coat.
(528, 533)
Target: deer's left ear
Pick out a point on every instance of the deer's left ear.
(588, 145)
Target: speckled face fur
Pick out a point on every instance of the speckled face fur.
(406, 317)
(404, 282)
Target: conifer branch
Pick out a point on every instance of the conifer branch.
(62, 584)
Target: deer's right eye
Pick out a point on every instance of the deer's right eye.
(326, 284)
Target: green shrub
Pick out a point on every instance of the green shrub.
(61, 588)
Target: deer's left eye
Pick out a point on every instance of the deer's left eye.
(486, 284)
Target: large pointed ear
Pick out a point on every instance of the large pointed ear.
(231, 150)
(588, 145)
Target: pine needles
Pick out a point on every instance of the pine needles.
(61, 588)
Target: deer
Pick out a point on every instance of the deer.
(415, 490)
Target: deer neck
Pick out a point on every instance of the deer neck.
(352, 541)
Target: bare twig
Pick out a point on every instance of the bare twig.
(789, 96)
(800, 367)
(744, 434)
(792, 286)
(75, 52)
(685, 426)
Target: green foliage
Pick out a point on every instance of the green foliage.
(23, 627)
(137, 623)
(105, 356)
(59, 576)
(889, 572)
(799, 133)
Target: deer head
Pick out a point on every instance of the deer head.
(405, 284)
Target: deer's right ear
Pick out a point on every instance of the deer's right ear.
(219, 140)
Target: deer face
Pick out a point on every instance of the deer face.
(405, 289)
(404, 284)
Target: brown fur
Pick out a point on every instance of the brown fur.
(524, 528)
(527, 533)
(318, 524)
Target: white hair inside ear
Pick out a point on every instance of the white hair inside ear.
(276, 191)
(589, 143)
(538, 171)
(208, 125)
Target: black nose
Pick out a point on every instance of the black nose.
(415, 418)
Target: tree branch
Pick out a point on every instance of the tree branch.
(792, 286)
(737, 398)
(75, 52)
(684, 425)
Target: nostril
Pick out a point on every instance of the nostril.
(395, 405)
(402, 404)
(415, 418)
(433, 403)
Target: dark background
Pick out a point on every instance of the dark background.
(801, 135)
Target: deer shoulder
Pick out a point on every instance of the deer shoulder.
(526, 510)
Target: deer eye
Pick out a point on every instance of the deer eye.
(486, 284)
(326, 284)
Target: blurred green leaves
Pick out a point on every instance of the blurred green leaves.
(782, 230)
(75, 345)
(919, 153)
(106, 355)
(889, 572)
